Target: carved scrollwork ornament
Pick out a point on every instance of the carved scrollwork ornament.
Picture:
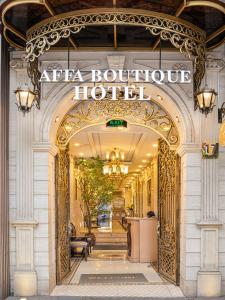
(187, 38)
(214, 63)
(62, 183)
(167, 211)
(147, 113)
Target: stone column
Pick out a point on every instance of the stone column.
(4, 207)
(25, 277)
(189, 216)
(209, 277)
(44, 214)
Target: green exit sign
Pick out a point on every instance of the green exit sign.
(116, 123)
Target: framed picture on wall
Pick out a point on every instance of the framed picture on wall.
(149, 189)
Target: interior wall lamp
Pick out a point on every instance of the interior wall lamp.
(221, 113)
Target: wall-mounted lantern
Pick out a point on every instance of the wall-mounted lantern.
(206, 99)
(25, 99)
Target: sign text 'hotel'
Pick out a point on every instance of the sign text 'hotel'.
(101, 83)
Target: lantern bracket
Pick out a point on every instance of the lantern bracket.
(221, 113)
(34, 75)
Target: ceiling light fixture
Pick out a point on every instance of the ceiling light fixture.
(114, 164)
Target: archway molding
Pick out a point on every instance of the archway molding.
(173, 100)
(148, 114)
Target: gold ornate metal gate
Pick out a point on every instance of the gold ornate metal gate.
(62, 214)
(168, 212)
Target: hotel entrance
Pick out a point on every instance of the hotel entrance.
(128, 233)
(112, 165)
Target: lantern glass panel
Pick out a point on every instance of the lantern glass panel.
(200, 100)
(25, 98)
(207, 99)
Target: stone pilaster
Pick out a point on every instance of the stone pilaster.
(4, 206)
(25, 277)
(209, 277)
(189, 216)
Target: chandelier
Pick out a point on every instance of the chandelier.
(114, 164)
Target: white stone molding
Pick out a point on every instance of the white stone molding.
(188, 148)
(26, 223)
(45, 147)
(209, 275)
(25, 277)
(60, 101)
(24, 163)
(18, 64)
(116, 62)
(190, 216)
(214, 63)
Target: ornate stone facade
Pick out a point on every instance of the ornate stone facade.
(32, 210)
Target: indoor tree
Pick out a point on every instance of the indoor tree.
(96, 189)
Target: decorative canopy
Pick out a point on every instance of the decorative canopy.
(19, 16)
(40, 25)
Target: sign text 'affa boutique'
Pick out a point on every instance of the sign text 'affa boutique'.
(102, 83)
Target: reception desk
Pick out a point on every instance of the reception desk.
(142, 239)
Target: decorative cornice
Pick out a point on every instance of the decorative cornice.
(116, 61)
(213, 63)
(45, 147)
(26, 223)
(180, 66)
(18, 64)
(210, 223)
(188, 148)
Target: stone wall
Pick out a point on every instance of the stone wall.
(31, 178)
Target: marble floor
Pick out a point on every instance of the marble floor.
(156, 286)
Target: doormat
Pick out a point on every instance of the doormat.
(110, 247)
(112, 278)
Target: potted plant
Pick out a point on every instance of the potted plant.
(96, 189)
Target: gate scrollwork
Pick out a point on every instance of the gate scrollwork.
(168, 214)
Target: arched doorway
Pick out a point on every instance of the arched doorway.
(149, 115)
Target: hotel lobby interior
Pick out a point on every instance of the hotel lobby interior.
(118, 250)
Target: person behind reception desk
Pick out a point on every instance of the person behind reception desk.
(150, 214)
